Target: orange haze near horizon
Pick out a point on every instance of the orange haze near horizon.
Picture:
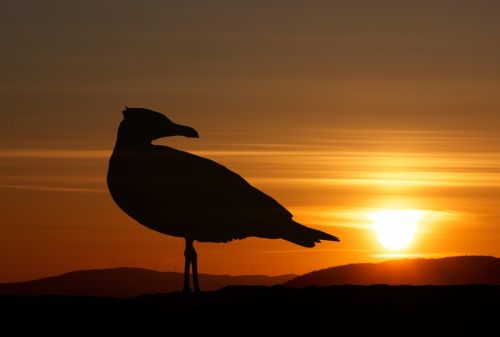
(334, 109)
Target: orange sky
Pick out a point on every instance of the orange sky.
(335, 109)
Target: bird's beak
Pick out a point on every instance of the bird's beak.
(185, 131)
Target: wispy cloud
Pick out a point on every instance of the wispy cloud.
(314, 251)
(52, 188)
(54, 154)
(393, 256)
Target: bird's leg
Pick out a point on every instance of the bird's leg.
(194, 264)
(187, 263)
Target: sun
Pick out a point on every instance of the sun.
(395, 229)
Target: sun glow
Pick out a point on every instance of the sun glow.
(395, 229)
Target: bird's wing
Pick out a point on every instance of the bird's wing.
(204, 185)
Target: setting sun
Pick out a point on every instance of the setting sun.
(395, 229)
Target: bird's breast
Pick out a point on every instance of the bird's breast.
(148, 188)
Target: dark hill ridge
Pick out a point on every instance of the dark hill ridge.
(263, 311)
(131, 282)
(445, 271)
(127, 282)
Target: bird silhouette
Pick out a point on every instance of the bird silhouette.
(184, 195)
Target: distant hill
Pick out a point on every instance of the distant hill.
(131, 282)
(445, 271)
(127, 282)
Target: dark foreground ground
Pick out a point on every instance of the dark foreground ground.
(261, 311)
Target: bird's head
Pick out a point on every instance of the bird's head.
(146, 125)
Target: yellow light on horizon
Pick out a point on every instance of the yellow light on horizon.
(395, 229)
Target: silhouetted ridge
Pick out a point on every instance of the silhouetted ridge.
(127, 282)
(445, 271)
(264, 311)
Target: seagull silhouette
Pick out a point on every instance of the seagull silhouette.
(184, 195)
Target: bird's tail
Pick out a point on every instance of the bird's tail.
(307, 237)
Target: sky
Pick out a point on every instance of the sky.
(337, 109)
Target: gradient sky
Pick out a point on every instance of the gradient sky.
(335, 108)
